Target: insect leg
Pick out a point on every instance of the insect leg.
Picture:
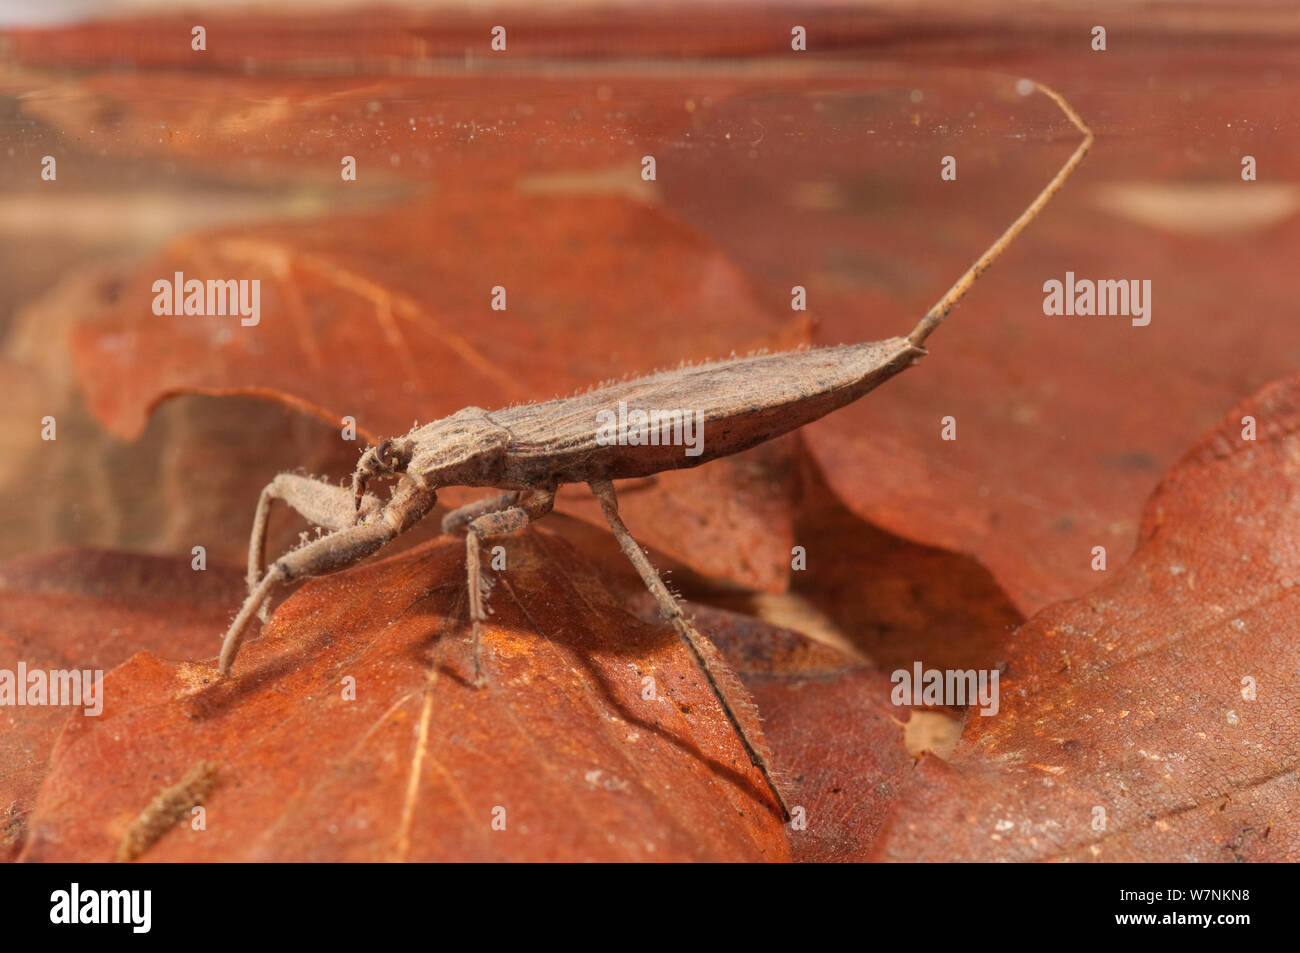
(485, 527)
(462, 516)
(336, 551)
(321, 503)
(604, 492)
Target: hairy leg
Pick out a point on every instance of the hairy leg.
(462, 516)
(331, 553)
(486, 526)
(319, 502)
(604, 492)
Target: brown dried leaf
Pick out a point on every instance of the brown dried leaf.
(837, 741)
(414, 767)
(1125, 732)
(83, 609)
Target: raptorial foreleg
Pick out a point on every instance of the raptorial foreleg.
(320, 503)
(330, 553)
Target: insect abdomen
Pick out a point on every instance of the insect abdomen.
(732, 405)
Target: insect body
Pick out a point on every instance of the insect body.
(745, 401)
(530, 450)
